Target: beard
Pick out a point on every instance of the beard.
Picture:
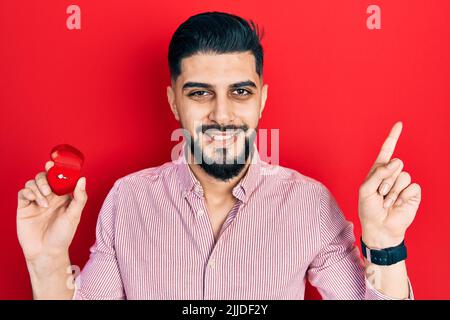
(224, 167)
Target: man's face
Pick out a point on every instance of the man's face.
(219, 99)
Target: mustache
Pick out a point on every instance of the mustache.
(206, 127)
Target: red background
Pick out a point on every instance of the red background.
(335, 89)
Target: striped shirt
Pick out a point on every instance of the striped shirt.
(154, 240)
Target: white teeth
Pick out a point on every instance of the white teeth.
(222, 137)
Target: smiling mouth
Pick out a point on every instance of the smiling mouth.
(221, 138)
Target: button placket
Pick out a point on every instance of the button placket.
(211, 273)
(202, 225)
(212, 263)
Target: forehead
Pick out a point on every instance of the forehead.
(218, 69)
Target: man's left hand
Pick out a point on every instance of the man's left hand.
(388, 201)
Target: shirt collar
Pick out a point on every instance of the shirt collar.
(242, 190)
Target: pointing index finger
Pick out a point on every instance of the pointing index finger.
(389, 144)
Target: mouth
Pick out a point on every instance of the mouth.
(222, 139)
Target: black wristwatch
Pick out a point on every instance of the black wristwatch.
(384, 257)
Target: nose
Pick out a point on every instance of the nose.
(222, 112)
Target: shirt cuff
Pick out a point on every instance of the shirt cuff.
(374, 294)
(76, 292)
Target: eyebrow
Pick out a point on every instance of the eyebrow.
(191, 84)
(247, 83)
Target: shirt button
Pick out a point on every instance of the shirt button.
(212, 263)
(200, 213)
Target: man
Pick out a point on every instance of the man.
(219, 223)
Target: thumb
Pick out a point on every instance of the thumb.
(78, 202)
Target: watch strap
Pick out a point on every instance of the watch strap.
(384, 257)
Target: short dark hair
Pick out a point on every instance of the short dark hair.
(214, 32)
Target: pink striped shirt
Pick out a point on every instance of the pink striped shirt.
(154, 240)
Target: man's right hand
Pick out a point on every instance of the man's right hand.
(46, 225)
(46, 222)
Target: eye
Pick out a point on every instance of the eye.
(199, 93)
(242, 92)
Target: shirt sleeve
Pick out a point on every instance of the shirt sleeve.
(337, 271)
(100, 279)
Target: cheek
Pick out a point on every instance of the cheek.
(248, 110)
(192, 117)
(249, 116)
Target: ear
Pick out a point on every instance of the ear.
(263, 98)
(171, 100)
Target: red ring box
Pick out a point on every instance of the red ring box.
(63, 176)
